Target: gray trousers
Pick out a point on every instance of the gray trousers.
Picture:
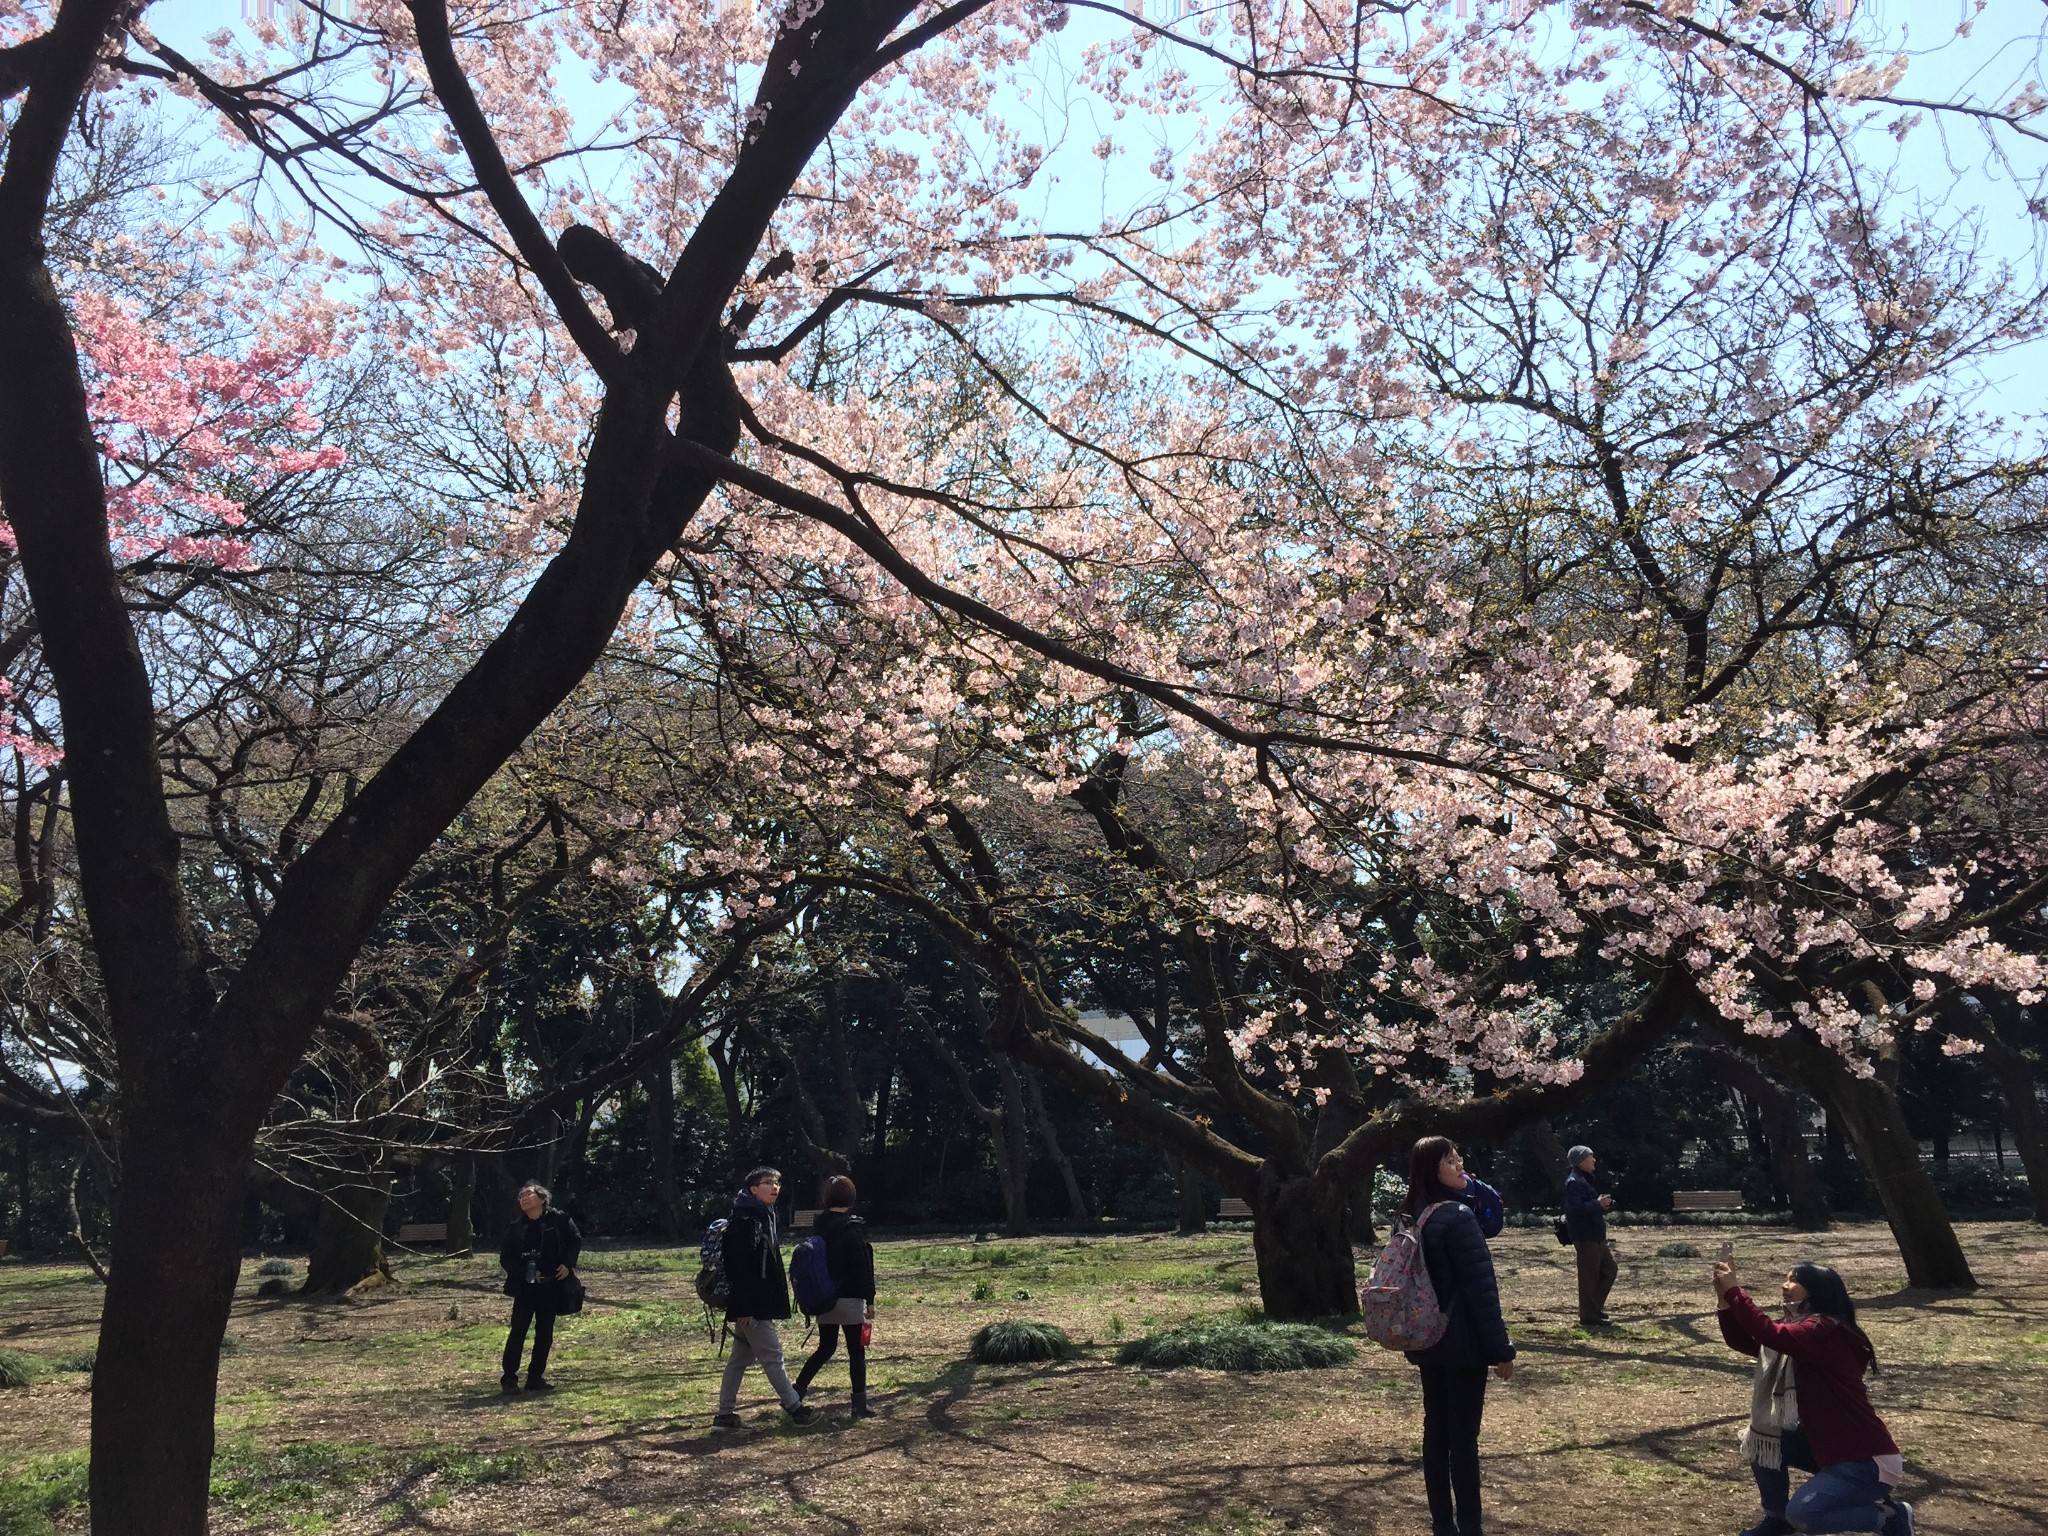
(757, 1340)
(1596, 1278)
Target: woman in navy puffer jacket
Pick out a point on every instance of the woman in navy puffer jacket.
(1476, 1340)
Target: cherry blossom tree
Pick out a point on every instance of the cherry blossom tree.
(868, 176)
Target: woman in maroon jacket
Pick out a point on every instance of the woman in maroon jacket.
(1811, 1369)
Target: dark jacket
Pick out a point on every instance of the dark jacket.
(1584, 1221)
(1461, 1272)
(1484, 1202)
(848, 1254)
(753, 1261)
(557, 1242)
(1829, 1359)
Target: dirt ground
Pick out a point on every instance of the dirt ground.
(382, 1415)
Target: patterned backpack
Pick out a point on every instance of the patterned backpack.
(713, 1289)
(1398, 1301)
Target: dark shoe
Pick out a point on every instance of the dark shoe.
(725, 1421)
(508, 1385)
(1770, 1525)
(1898, 1518)
(802, 1415)
(861, 1410)
(539, 1384)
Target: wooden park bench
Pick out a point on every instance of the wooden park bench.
(801, 1219)
(1706, 1200)
(423, 1232)
(1234, 1210)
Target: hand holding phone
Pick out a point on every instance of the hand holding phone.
(1728, 1251)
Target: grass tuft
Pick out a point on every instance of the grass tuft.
(274, 1285)
(36, 1493)
(78, 1360)
(1014, 1342)
(1678, 1250)
(274, 1267)
(16, 1369)
(1221, 1345)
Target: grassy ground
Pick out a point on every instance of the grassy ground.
(383, 1415)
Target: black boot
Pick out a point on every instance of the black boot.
(861, 1410)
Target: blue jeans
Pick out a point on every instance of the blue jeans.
(1844, 1497)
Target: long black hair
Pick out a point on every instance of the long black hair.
(1827, 1296)
(1424, 1187)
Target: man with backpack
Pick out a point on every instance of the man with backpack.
(757, 1299)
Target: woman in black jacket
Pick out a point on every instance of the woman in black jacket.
(851, 1259)
(539, 1250)
(1454, 1368)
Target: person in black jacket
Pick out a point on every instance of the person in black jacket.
(1454, 1368)
(1585, 1223)
(851, 1259)
(758, 1300)
(539, 1250)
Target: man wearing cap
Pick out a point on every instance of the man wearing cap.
(1585, 1223)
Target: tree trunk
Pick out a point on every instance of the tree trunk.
(1868, 1113)
(176, 1251)
(878, 1132)
(2015, 1074)
(661, 1148)
(1194, 1209)
(461, 1196)
(348, 1242)
(1784, 1133)
(1012, 1137)
(1543, 1145)
(1303, 1247)
(725, 1060)
(1077, 1202)
(1912, 1204)
(22, 1234)
(853, 1110)
(1796, 1177)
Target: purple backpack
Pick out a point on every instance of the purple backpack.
(810, 1276)
(1398, 1301)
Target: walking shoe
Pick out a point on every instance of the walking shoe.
(1770, 1525)
(508, 1385)
(1898, 1518)
(725, 1421)
(539, 1384)
(801, 1415)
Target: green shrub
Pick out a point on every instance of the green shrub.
(16, 1369)
(1220, 1345)
(984, 1290)
(1013, 1342)
(274, 1286)
(78, 1360)
(1678, 1251)
(230, 1345)
(274, 1267)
